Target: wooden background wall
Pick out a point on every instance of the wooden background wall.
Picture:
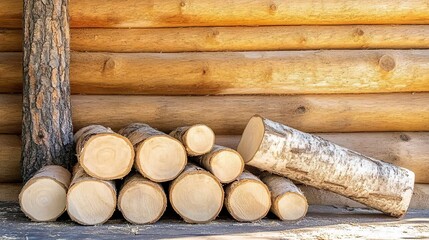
(357, 72)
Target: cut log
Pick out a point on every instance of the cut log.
(311, 160)
(90, 201)
(224, 163)
(47, 130)
(159, 157)
(141, 200)
(222, 73)
(43, 197)
(340, 113)
(247, 198)
(197, 139)
(196, 195)
(173, 13)
(102, 153)
(270, 38)
(287, 200)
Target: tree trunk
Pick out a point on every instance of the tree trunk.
(43, 198)
(248, 198)
(141, 200)
(317, 162)
(47, 132)
(287, 200)
(224, 163)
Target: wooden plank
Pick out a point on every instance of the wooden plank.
(10, 158)
(229, 114)
(169, 13)
(263, 38)
(249, 38)
(420, 199)
(9, 191)
(10, 40)
(286, 72)
(406, 149)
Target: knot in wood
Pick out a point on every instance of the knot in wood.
(301, 110)
(387, 63)
(182, 3)
(359, 32)
(273, 7)
(404, 137)
(109, 64)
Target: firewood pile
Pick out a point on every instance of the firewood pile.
(139, 170)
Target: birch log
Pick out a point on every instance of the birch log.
(309, 159)
(141, 200)
(248, 198)
(224, 163)
(90, 201)
(197, 139)
(159, 157)
(102, 153)
(43, 197)
(196, 195)
(287, 200)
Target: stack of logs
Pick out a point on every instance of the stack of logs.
(200, 176)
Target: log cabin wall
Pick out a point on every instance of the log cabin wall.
(356, 72)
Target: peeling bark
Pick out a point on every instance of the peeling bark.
(47, 132)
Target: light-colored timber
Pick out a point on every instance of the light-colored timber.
(175, 13)
(10, 158)
(340, 113)
(140, 200)
(262, 38)
(404, 149)
(287, 200)
(197, 139)
(159, 157)
(43, 197)
(219, 73)
(196, 195)
(103, 153)
(90, 201)
(224, 163)
(311, 160)
(247, 199)
(419, 200)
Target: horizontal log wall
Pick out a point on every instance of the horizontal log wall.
(262, 38)
(229, 114)
(10, 158)
(405, 149)
(287, 72)
(169, 13)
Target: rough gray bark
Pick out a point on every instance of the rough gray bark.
(319, 163)
(47, 132)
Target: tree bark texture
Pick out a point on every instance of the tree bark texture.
(317, 162)
(47, 132)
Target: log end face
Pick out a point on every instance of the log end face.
(161, 158)
(248, 200)
(142, 203)
(91, 202)
(227, 165)
(252, 138)
(43, 199)
(197, 196)
(107, 156)
(199, 139)
(291, 206)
